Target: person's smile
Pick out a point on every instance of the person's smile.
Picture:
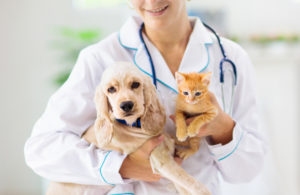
(158, 11)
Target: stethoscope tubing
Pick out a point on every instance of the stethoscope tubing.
(224, 59)
(149, 56)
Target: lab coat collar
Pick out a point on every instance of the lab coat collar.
(129, 33)
(195, 59)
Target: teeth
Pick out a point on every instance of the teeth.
(157, 10)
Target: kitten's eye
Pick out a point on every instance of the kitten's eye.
(185, 93)
(197, 93)
(135, 85)
(111, 90)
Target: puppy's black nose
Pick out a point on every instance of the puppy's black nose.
(126, 106)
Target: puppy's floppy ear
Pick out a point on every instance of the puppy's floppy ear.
(103, 125)
(154, 116)
(148, 91)
(102, 104)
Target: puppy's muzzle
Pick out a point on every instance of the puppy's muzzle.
(127, 106)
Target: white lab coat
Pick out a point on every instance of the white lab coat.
(57, 152)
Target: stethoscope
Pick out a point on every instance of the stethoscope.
(221, 66)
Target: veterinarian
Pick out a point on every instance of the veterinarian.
(232, 143)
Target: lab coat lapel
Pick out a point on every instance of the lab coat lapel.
(129, 38)
(129, 33)
(197, 56)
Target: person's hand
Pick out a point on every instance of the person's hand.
(137, 165)
(219, 129)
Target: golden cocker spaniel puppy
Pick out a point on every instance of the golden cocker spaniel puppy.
(127, 95)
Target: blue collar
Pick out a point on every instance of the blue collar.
(135, 124)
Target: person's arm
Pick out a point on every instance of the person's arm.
(56, 150)
(218, 131)
(235, 142)
(238, 146)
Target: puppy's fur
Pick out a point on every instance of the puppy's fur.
(123, 82)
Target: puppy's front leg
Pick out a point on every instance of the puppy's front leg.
(163, 162)
(181, 190)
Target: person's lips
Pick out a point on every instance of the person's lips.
(158, 11)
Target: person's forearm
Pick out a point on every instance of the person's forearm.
(51, 153)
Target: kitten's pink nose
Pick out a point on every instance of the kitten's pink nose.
(191, 99)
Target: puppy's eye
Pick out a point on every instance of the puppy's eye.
(198, 93)
(185, 93)
(111, 90)
(135, 85)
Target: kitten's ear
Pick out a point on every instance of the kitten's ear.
(206, 78)
(179, 77)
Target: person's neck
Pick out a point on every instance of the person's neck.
(173, 36)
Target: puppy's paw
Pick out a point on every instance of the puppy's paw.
(200, 189)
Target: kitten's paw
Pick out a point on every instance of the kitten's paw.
(181, 136)
(181, 132)
(184, 153)
(193, 131)
(192, 134)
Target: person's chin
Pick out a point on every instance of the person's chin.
(157, 24)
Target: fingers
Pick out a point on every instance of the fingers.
(189, 120)
(137, 166)
(141, 155)
(151, 144)
(155, 177)
(172, 117)
(213, 99)
(212, 96)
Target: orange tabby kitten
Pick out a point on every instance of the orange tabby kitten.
(192, 101)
